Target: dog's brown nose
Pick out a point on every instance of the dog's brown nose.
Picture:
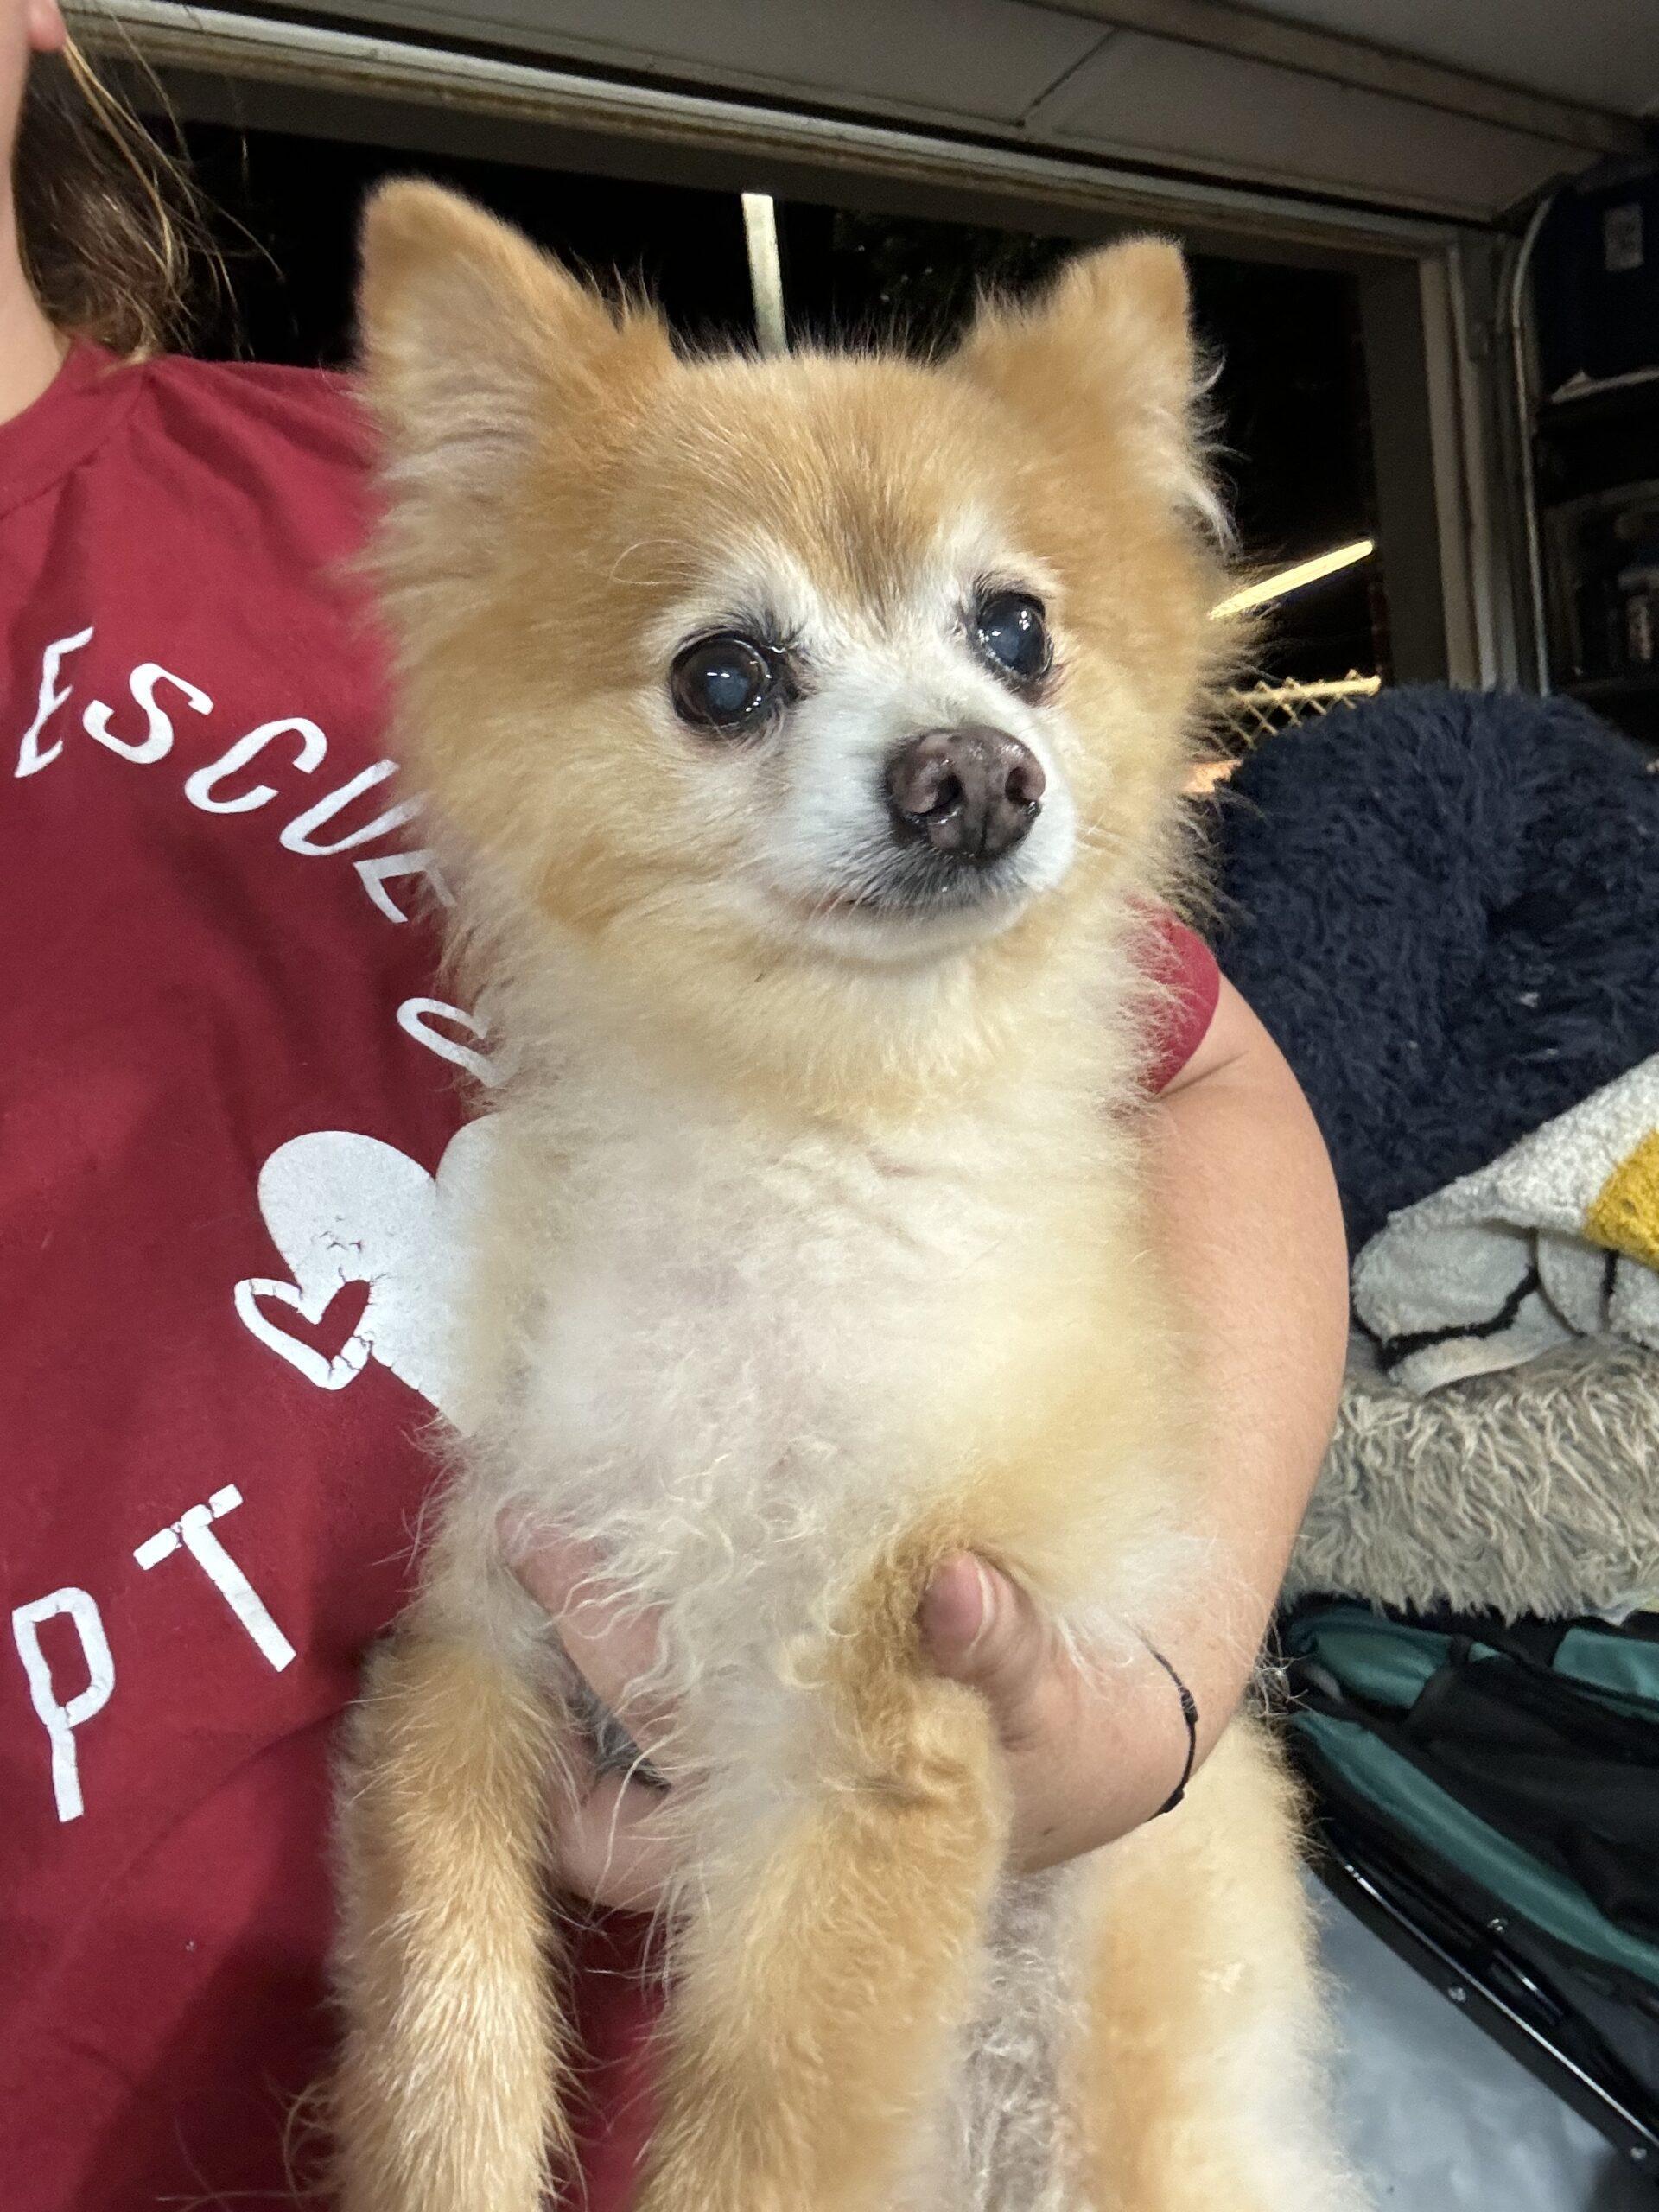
(971, 792)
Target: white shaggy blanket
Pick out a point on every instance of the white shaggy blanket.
(1535, 1490)
(1558, 1239)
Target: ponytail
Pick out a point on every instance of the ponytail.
(109, 224)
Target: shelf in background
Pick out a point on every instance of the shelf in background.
(1643, 684)
(1575, 395)
(1640, 491)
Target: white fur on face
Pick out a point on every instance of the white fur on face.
(819, 849)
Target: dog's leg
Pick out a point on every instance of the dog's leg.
(446, 2099)
(830, 1954)
(1201, 2086)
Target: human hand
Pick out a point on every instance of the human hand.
(1091, 1752)
(615, 1840)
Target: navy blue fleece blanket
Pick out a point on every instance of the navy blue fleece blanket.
(1445, 906)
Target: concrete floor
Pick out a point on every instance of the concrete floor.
(1437, 2117)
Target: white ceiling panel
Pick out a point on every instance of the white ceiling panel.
(1156, 97)
(985, 61)
(1497, 97)
(1603, 52)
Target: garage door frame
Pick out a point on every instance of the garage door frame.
(1448, 524)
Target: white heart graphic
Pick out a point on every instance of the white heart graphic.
(343, 1208)
(327, 1374)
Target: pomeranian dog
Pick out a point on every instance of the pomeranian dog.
(803, 737)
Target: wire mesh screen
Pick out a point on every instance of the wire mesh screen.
(1254, 711)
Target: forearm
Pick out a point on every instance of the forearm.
(1252, 1234)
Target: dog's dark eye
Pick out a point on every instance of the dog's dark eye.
(1009, 630)
(725, 683)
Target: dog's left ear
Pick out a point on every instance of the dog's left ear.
(1105, 360)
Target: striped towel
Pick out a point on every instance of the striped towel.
(1558, 1237)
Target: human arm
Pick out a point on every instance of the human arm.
(1251, 1230)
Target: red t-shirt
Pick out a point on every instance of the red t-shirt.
(229, 1158)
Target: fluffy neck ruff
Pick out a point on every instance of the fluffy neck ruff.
(1053, 1007)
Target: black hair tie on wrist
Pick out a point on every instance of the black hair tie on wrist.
(1190, 1715)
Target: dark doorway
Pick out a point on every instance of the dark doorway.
(1290, 395)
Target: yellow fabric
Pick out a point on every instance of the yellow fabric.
(1624, 1213)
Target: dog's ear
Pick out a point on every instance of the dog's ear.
(1105, 359)
(478, 351)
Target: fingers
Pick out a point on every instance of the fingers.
(1086, 1762)
(613, 1843)
(979, 1628)
(614, 1846)
(958, 1612)
(612, 1643)
(1075, 1759)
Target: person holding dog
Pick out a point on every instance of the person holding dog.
(227, 1198)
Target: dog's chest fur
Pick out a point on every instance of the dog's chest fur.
(742, 1349)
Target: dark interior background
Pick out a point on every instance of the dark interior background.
(1290, 397)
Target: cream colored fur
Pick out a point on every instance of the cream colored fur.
(814, 1252)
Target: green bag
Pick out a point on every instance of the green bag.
(1516, 1766)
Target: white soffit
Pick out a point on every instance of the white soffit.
(982, 61)
(1279, 99)
(1602, 53)
(1144, 98)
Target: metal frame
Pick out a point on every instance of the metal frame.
(1490, 1989)
(1449, 541)
(1447, 522)
(187, 44)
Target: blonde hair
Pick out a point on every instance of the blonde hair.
(110, 226)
